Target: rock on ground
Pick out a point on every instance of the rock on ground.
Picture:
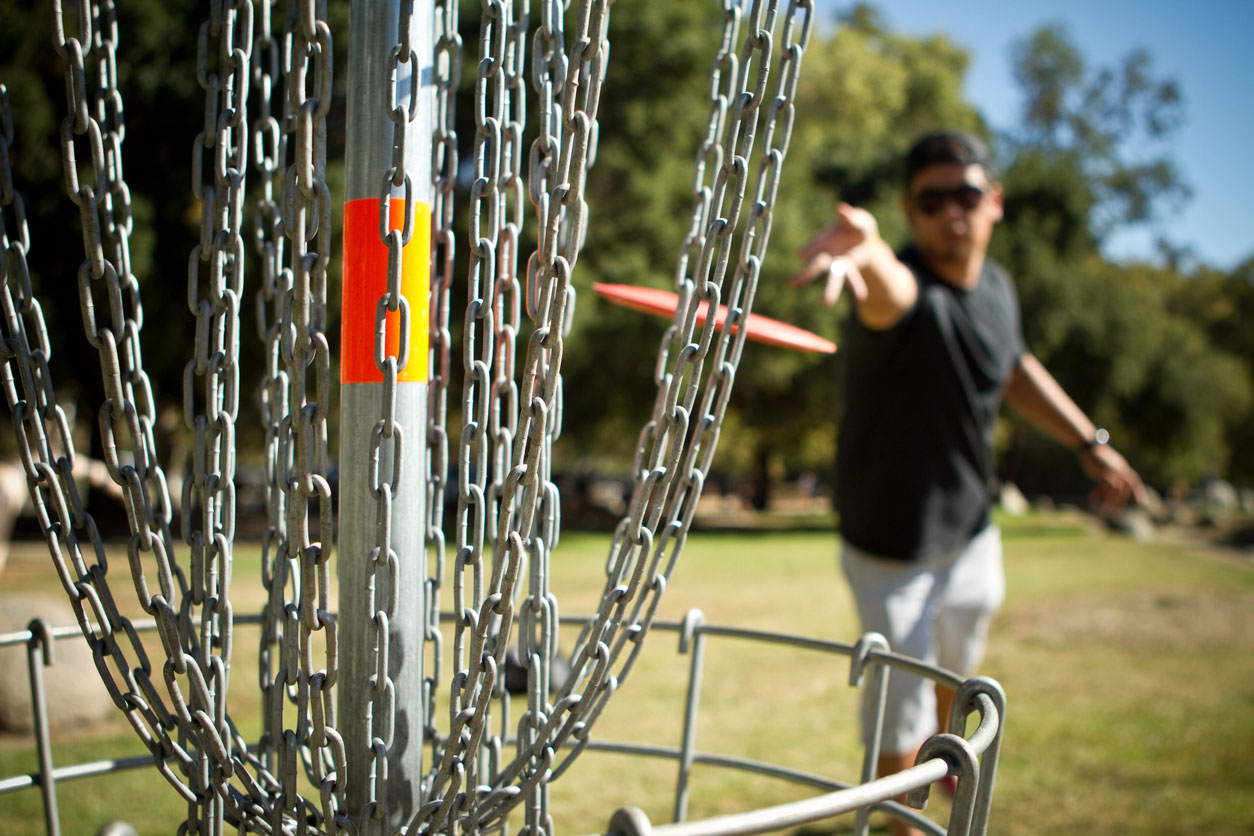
(75, 694)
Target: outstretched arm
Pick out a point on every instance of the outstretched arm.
(851, 250)
(1036, 395)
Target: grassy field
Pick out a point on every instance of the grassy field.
(1129, 669)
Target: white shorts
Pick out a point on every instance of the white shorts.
(935, 610)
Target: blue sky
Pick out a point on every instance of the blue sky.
(1204, 45)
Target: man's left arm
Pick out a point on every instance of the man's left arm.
(1035, 394)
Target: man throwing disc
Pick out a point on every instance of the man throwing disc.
(934, 346)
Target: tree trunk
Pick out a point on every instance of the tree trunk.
(761, 498)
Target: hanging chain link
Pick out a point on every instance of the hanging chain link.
(387, 436)
(568, 86)
(506, 497)
(45, 443)
(475, 657)
(222, 67)
(270, 132)
(302, 444)
(202, 753)
(192, 740)
(447, 79)
(194, 622)
(673, 502)
(525, 499)
(131, 463)
(671, 460)
(506, 300)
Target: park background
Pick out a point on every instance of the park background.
(1154, 346)
(1152, 340)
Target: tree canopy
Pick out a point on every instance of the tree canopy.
(1158, 355)
(1092, 154)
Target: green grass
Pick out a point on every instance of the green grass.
(1129, 669)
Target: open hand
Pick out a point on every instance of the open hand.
(1114, 480)
(835, 253)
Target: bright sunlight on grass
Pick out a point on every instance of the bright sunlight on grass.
(1129, 669)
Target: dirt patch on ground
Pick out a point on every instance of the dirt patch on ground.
(1139, 620)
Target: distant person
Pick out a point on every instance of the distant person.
(933, 347)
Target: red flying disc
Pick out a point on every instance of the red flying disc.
(759, 328)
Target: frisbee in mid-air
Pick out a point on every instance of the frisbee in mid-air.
(759, 328)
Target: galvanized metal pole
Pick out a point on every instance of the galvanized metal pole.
(40, 654)
(383, 406)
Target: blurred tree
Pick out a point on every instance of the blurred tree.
(1152, 377)
(865, 93)
(1113, 124)
(1222, 304)
(163, 110)
(653, 112)
(1091, 154)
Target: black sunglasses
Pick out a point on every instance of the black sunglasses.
(931, 201)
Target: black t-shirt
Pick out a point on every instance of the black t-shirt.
(914, 459)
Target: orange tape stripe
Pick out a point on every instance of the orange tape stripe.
(365, 280)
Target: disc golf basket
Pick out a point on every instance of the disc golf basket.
(378, 718)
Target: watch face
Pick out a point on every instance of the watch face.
(1100, 436)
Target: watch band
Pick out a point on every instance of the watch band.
(1099, 438)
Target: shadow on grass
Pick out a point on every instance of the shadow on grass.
(836, 828)
(1037, 532)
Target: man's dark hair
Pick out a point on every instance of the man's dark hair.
(946, 147)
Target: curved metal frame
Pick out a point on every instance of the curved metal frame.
(972, 759)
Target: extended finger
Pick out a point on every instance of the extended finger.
(820, 243)
(836, 275)
(856, 282)
(817, 266)
(1115, 469)
(1138, 489)
(1115, 489)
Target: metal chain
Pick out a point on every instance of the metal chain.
(46, 448)
(222, 65)
(201, 754)
(507, 306)
(475, 670)
(383, 588)
(270, 133)
(468, 788)
(195, 676)
(203, 750)
(447, 79)
(665, 496)
(194, 621)
(131, 465)
(569, 87)
(679, 505)
(302, 447)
